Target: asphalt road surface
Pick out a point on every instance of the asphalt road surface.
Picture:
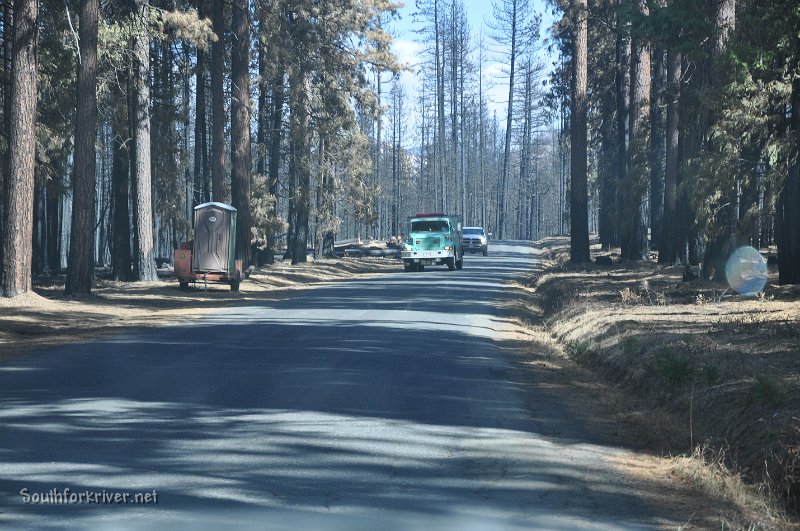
(380, 403)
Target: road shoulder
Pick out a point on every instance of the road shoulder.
(45, 317)
(693, 480)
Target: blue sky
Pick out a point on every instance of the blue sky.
(495, 83)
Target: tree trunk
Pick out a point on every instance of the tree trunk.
(721, 242)
(40, 228)
(8, 40)
(80, 264)
(788, 213)
(657, 149)
(622, 86)
(53, 232)
(299, 96)
(275, 152)
(240, 130)
(579, 205)
(17, 234)
(262, 120)
(670, 233)
(218, 192)
(509, 120)
(395, 155)
(607, 215)
(121, 233)
(143, 209)
(201, 193)
(634, 212)
(440, 157)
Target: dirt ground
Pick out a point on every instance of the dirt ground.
(46, 317)
(702, 379)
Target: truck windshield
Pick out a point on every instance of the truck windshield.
(430, 226)
(479, 232)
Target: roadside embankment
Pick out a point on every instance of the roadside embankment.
(689, 369)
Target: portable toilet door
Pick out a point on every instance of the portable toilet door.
(214, 238)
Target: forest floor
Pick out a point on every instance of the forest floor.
(47, 317)
(704, 380)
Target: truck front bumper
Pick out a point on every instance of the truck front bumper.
(426, 257)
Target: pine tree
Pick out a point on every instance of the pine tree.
(17, 234)
(218, 192)
(241, 156)
(634, 213)
(144, 264)
(80, 265)
(579, 221)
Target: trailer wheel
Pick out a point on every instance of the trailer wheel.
(235, 281)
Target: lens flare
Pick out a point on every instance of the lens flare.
(746, 271)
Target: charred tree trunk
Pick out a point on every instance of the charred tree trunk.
(607, 215)
(121, 232)
(579, 205)
(509, 119)
(241, 154)
(634, 212)
(670, 233)
(201, 192)
(622, 86)
(657, 148)
(218, 192)
(721, 242)
(80, 264)
(788, 213)
(299, 95)
(275, 153)
(17, 234)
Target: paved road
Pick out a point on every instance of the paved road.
(377, 403)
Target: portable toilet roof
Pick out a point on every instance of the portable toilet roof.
(216, 204)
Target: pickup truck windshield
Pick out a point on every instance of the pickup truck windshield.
(430, 226)
(479, 232)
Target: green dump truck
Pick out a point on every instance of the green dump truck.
(433, 239)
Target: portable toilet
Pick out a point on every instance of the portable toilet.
(214, 249)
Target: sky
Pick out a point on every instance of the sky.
(408, 49)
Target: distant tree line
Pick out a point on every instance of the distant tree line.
(663, 125)
(687, 113)
(120, 117)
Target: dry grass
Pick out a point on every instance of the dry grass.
(46, 317)
(696, 365)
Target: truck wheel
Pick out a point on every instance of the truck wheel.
(460, 262)
(184, 285)
(420, 267)
(408, 267)
(486, 252)
(451, 263)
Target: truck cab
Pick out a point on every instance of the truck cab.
(433, 239)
